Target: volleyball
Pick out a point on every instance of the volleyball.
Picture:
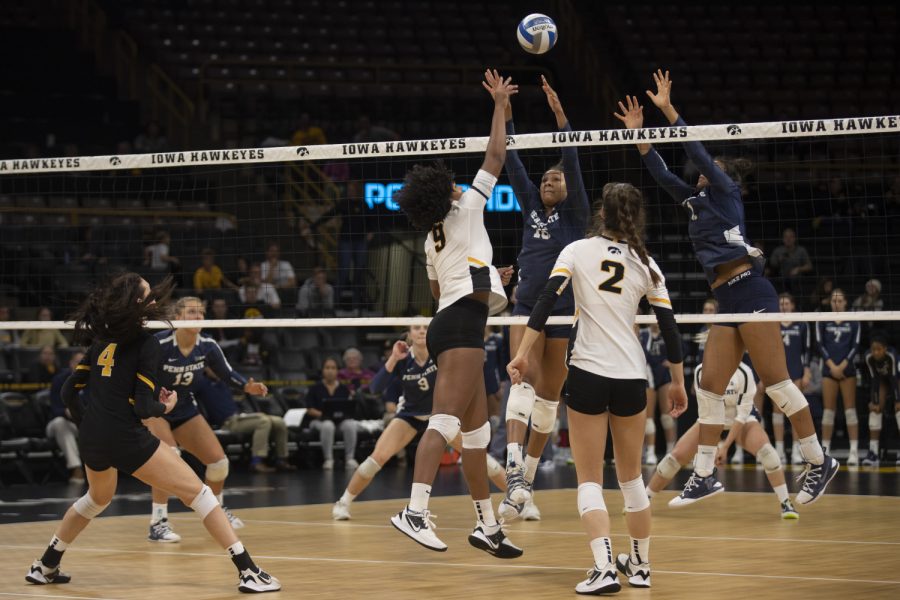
(536, 33)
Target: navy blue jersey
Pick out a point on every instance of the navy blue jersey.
(884, 370)
(654, 348)
(717, 229)
(184, 374)
(493, 347)
(544, 236)
(795, 337)
(410, 381)
(838, 341)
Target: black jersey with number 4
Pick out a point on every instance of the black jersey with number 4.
(121, 380)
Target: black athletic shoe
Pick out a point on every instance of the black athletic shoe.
(697, 488)
(38, 574)
(496, 544)
(815, 479)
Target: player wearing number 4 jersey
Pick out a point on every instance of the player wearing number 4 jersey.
(734, 270)
(120, 368)
(606, 386)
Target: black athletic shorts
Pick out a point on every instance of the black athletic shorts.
(418, 424)
(593, 394)
(105, 445)
(185, 410)
(460, 325)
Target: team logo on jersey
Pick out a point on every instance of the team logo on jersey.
(613, 250)
(302, 151)
(734, 130)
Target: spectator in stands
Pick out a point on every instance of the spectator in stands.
(61, 428)
(791, 261)
(275, 271)
(151, 140)
(265, 292)
(46, 367)
(354, 375)
(209, 276)
(316, 296)
(329, 389)
(157, 257)
(307, 134)
(8, 337)
(820, 301)
(871, 299)
(222, 412)
(241, 272)
(356, 232)
(366, 132)
(38, 338)
(252, 306)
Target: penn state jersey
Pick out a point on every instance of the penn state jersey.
(838, 341)
(410, 385)
(655, 348)
(493, 345)
(884, 370)
(738, 395)
(608, 280)
(795, 337)
(183, 374)
(716, 226)
(543, 235)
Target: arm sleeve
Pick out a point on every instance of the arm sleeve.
(577, 199)
(820, 341)
(526, 192)
(854, 345)
(481, 189)
(704, 162)
(146, 403)
(73, 385)
(383, 378)
(216, 360)
(658, 297)
(669, 181)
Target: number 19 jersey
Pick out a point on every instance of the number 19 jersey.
(608, 281)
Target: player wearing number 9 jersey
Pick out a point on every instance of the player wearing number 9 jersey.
(610, 273)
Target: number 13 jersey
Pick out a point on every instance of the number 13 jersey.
(458, 250)
(608, 281)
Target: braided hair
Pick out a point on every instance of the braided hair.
(622, 210)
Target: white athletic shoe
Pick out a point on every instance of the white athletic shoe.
(162, 532)
(796, 457)
(638, 575)
(649, 458)
(256, 582)
(853, 459)
(350, 464)
(235, 521)
(420, 527)
(38, 574)
(531, 512)
(509, 512)
(495, 544)
(517, 489)
(328, 465)
(340, 511)
(782, 457)
(600, 581)
(737, 458)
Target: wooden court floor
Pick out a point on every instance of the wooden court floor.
(734, 546)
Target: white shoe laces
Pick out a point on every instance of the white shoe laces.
(692, 483)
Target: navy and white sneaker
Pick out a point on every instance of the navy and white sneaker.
(638, 575)
(257, 582)
(235, 521)
(600, 581)
(509, 511)
(697, 488)
(815, 479)
(788, 512)
(162, 532)
(871, 460)
(495, 544)
(38, 574)
(517, 489)
(420, 527)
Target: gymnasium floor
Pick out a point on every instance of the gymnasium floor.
(846, 545)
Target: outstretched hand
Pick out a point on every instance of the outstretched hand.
(632, 113)
(256, 388)
(663, 96)
(499, 88)
(552, 96)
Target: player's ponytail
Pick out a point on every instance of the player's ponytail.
(622, 212)
(117, 311)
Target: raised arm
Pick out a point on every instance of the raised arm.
(526, 192)
(577, 198)
(500, 89)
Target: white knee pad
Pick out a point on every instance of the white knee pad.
(218, 470)
(827, 416)
(493, 467)
(710, 408)
(590, 498)
(446, 425)
(668, 467)
(87, 508)
(204, 502)
(667, 421)
(369, 468)
(649, 427)
(520, 403)
(777, 418)
(851, 417)
(635, 495)
(787, 396)
(543, 416)
(768, 458)
(477, 439)
(875, 421)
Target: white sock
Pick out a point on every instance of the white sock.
(513, 455)
(781, 491)
(484, 510)
(347, 498)
(236, 548)
(418, 499)
(705, 460)
(854, 446)
(531, 465)
(640, 550)
(669, 447)
(873, 443)
(601, 548)
(779, 447)
(811, 450)
(738, 452)
(159, 512)
(58, 544)
(650, 493)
